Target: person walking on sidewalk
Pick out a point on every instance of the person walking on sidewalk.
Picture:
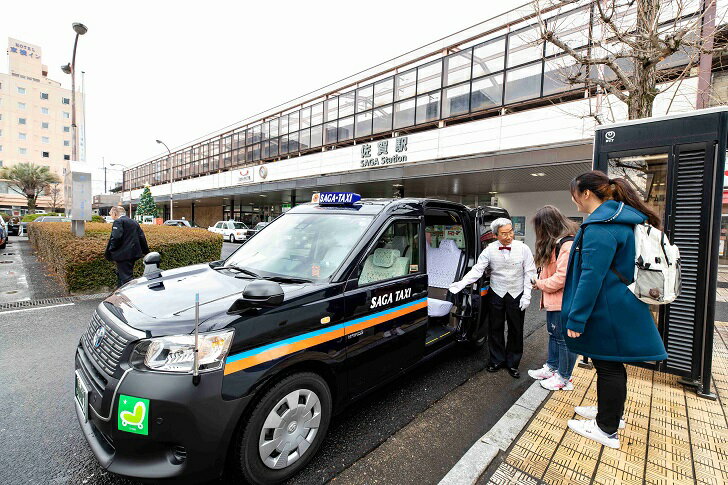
(512, 268)
(127, 243)
(602, 318)
(554, 237)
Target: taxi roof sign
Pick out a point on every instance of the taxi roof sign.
(335, 198)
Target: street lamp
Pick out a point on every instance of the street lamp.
(171, 179)
(123, 176)
(80, 29)
(77, 227)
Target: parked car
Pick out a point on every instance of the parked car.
(13, 226)
(257, 228)
(53, 219)
(3, 233)
(180, 223)
(109, 219)
(232, 231)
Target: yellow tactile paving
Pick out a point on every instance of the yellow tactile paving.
(672, 436)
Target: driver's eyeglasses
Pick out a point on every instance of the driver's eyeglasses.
(509, 233)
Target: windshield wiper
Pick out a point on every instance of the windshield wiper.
(238, 268)
(287, 279)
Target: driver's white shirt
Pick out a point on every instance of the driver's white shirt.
(511, 271)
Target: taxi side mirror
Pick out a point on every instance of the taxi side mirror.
(151, 265)
(259, 294)
(153, 258)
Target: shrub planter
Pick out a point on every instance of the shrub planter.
(79, 263)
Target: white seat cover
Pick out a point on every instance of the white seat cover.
(442, 266)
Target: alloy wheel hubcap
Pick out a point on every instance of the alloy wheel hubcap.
(290, 429)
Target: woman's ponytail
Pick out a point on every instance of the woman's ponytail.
(617, 188)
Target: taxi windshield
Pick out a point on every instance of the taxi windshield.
(306, 246)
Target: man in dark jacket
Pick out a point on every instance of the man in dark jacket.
(126, 244)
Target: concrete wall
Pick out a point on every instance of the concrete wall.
(527, 203)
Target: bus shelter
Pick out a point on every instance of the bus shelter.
(677, 164)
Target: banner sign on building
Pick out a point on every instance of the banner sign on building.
(244, 175)
(384, 152)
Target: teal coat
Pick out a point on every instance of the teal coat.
(613, 323)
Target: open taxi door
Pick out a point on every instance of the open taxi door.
(481, 218)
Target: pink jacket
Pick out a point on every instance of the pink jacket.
(552, 278)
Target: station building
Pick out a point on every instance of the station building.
(483, 117)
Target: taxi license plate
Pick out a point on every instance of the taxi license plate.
(81, 392)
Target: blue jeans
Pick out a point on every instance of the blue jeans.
(560, 358)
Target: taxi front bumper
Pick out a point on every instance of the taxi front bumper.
(189, 427)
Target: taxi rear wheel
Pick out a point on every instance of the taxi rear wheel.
(232, 238)
(285, 429)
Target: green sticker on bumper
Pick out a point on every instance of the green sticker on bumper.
(133, 414)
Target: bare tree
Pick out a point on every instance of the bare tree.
(631, 49)
(54, 192)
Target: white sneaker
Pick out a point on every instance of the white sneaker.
(589, 429)
(543, 373)
(590, 412)
(557, 383)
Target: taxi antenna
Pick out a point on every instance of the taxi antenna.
(196, 364)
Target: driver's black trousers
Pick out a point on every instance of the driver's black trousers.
(504, 310)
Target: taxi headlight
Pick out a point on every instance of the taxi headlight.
(175, 353)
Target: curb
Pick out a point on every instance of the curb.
(499, 438)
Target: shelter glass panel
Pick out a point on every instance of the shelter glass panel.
(364, 98)
(457, 100)
(364, 124)
(404, 114)
(383, 91)
(489, 57)
(523, 83)
(346, 104)
(428, 107)
(382, 119)
(406, 84)
(429, 77)
(317, 133)
(346, 128)
(487, 92)
(458, 66)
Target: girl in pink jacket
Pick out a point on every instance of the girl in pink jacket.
(554, 236)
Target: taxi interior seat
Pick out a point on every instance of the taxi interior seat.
(401, 244)
(383, 264)
(443, 264)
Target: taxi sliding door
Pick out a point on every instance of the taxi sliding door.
(386, 306)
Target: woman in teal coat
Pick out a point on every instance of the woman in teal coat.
(602, 318)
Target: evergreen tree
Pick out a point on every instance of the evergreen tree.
(147, 207)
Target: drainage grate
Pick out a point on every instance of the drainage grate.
(16, 305)
(6, 262)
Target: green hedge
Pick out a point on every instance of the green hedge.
(79, 263)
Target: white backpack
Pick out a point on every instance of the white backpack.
(657, 278)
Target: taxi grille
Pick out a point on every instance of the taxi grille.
(108, 353)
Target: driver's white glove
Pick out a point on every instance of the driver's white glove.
(524, 303)
(455, 288)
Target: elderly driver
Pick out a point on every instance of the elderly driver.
(512, 269)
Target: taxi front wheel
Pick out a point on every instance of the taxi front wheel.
(285, 429)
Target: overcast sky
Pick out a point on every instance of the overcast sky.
(179, 70)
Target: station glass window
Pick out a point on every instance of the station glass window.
(404, 114)
(489, 57)
(330, 133)
(487, 92)
(346, 128)
(429, 77)
(317, 136)
(524, 46)
(331, 112)
(273, 147)
(457, 67)
(364, 98)
(457, 100)
(293, 142)
(346, 104)
(558, 72)
(306, 117)
(273, 127)
(383, 91)
(382, 119)
(364, 124)
(406, 84)
(284, 144)
(304, 139)
(293, 121)
(317, 114)
(523, 83)
(428, 107)
(395, 254)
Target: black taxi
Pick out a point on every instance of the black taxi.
(240, 363)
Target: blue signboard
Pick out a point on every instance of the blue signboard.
(335, 198)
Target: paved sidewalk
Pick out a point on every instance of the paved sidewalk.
(672, 436)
